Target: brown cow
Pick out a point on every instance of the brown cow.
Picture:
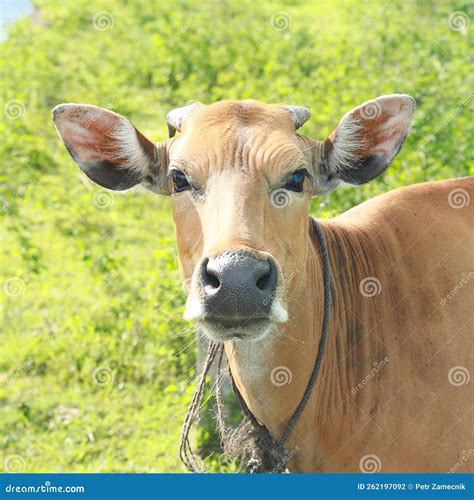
(393, 393)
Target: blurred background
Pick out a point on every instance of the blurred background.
(96, 365)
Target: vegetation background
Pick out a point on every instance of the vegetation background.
(96, 365)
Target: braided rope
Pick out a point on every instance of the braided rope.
(324, 332)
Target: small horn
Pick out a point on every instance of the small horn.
(300, 115)
(176, 117)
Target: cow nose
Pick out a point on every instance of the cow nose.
(238, 285)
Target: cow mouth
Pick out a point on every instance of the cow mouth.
(222, 330)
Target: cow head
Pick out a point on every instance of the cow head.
(241, 180)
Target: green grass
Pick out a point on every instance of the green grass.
(96, 365)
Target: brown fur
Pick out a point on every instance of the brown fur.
(408, 415)
(411, 240)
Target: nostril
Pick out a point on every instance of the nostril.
(208, 277)
(266, 281)
(213, 281)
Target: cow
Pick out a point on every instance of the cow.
(393, 393)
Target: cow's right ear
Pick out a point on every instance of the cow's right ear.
(109, 149)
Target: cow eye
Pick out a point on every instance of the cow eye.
(180, 182)
(296, 180)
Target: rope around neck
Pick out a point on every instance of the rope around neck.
(274, 456)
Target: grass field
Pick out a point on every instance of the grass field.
(96, 364)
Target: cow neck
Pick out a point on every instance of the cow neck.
(272, 374)
(273, 446)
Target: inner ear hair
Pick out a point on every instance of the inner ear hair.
(343, 149)
(138, 154)
(367, 139)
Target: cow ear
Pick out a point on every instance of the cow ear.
(109, 149)
(366, 141)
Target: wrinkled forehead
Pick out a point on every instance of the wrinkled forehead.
(241, 114)
(243, 133)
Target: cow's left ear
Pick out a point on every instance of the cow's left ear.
(109, 149)
(365, 141)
